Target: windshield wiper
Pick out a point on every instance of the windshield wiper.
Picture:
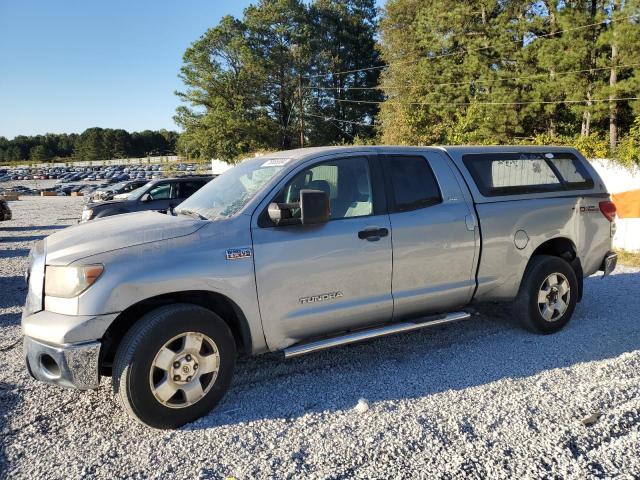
(191, 213)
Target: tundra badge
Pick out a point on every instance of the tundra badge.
(322, 297)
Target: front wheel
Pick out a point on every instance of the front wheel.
(174, 365)
(548, 295)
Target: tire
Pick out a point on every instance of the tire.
(538, 283)
(160, 355)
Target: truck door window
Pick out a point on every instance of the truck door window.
(347, 181)
(412, 183)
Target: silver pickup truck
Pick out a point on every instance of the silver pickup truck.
(307, 249)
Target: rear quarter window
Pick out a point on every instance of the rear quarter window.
(572, 171)
(522, 173)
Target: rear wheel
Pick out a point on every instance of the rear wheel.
(548, 295)
(174, 365)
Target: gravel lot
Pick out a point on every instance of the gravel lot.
(477, 399)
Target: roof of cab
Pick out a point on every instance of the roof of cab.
(455, 153)
(458, 150)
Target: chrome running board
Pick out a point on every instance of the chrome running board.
(360, 335)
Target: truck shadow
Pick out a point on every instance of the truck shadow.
(23, 238)
(13, 291)
(8, 402)
(32, 228)
(485, 349)
(15, 252)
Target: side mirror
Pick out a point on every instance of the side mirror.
(145, 198)
(313, 206)
(282, 213)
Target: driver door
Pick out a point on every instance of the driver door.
(314, 280)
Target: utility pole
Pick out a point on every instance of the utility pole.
(301, 107)
(613, 80)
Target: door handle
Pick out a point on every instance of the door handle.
(372, 233)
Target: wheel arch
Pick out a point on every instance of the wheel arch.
(564, 248)
(226, 308)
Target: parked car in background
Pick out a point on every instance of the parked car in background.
(108, 192)
(125, 193)
(5, 211)
(157, 195)
(22, 190)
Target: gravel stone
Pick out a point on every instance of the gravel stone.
(362, 406)
(476, 399)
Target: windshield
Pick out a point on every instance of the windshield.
(117, 186)
(138, 192)
(226, 194)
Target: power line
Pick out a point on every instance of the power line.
(329, 119)
(447, 104)
(494, 80)
(434, 57)
(333, 119)
(334, 125)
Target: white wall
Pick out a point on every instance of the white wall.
(620, 179)
(218, 166)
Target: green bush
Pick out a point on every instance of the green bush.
(596, 146)
(628, 151)
(593, 146)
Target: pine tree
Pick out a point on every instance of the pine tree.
(251, 83)
(512, 69)
(343, 36)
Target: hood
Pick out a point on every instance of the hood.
(116, 232)
(105, 203)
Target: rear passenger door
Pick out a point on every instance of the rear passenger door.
(434, 235)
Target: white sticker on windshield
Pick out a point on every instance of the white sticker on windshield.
(548, 155)
(275, 162)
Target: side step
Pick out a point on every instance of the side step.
(352, 337)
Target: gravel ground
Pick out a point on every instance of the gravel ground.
(477, 399)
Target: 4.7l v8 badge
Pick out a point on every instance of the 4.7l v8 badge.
(238, 253)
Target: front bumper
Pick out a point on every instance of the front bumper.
(58, 329)
(609, 263)
(71, 365)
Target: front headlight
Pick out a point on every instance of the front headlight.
(35, 278)
(87, 213)
(68, 282)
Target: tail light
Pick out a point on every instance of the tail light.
(608, 209)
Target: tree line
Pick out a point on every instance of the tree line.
(291, 73)
(499, 71)
(92, 144)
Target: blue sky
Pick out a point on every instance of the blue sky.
(69, 64)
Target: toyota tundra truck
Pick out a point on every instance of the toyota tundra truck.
(308, 249)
